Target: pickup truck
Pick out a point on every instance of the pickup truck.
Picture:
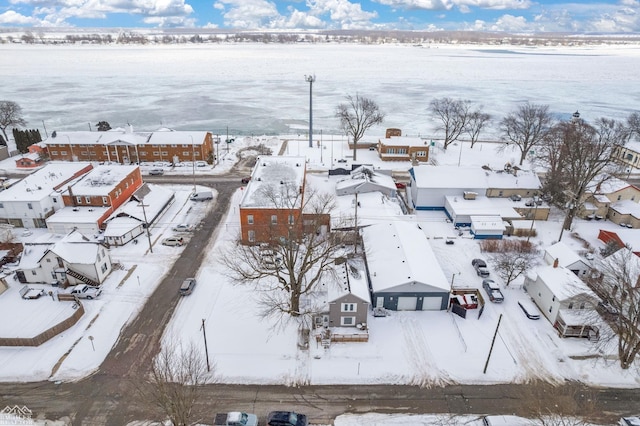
(83, 291)
(235, 418)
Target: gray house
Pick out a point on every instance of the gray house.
(403, 272)
(349, 300)
(365, 179)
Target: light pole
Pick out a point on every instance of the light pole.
(310, 79)
(193, 163)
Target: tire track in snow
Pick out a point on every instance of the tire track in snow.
(426, 372)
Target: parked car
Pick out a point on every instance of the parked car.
(286, 418)
(607, 308)
(400, 185)
(183, 227)
(481, 267)
(493, 290)
(515, 197)
(156, 172)
(245, 180)
(31, 293)
(84, 291)
(173, 241)
(235, 418)
(201, 164)
(201, 196)
(529, 309)
(187, 286)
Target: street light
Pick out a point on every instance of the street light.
(310, 79)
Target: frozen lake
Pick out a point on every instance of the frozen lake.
(261, 89)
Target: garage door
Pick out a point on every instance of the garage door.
(431, 303)
(407, 303)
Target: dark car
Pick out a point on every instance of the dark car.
(286, 418)
(493, 291)
(245, 180)
(481, 267)
(187, 286)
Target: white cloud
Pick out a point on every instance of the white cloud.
(12, 18)
(464, 5)
(511, 23)
(248, 13)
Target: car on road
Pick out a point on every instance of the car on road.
(183, 227)
(286, 418)
(201, 164)
(173, 241)
(156, 172)
(84, 291)
(187, 286)
(245, 180)
(481, 267)
(493, 291)
(529, 309)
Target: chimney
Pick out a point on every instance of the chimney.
(555, 263)
(73, 199)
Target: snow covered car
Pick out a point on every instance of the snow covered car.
(183, 227)
(84, 291)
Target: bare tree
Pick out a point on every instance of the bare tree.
(10, 115)
(617, 285)
(585, 157)
(633, 122)
(453, 115)
(477, 121)
(526, 127)
(357, 116)
(512, 258)
(286, 269)
(174, 383)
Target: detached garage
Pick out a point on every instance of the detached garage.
(403, 272)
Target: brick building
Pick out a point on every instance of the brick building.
(128, 147)
(273, 201)
(395, 147)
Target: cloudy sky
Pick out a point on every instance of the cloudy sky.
(488, 15)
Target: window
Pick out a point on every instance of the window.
(165, 153)
(33, 272)
(143, 153)
(252, 236)
(347, 321)
(48, 260)
(421, 153)
(103, 268)
(291, 219)
(55, 200)
(570, 306)
(173, 145)
(349, 307)
(250, 219)
(402, 150)
(63, 152)
(391, 150)
(156, 153)
(105, 200)
(2, 205)
(186, 153)
(54, 152)
(114, 152)
(186, 145)
(274, 219)
(30, 206)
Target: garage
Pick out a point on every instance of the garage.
(407, 303)
(432, 303)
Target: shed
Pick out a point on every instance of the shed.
(487, 227)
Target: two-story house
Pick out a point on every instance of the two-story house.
(29, 202)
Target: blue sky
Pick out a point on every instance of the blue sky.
(613, 16)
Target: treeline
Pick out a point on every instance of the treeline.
(25, 138)
(184, 36)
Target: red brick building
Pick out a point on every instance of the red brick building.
(128, 147)
(273, 201)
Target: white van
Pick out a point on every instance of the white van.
(201, 196)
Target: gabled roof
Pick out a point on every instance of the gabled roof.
(349, 281)
(398, 254)
(566, 255)
(563, 283)
(42, 183)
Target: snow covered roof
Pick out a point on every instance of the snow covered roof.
(32, 254)
(398, 253)
(565, 255)
(373, 207)
(120, 136)
(361, 176)
(42, 183)
(607, 185)
(349, 281)
(480, 206)
(429, 176)
(626, 207)
(155, 199)
(78, 215)
(274, 177)
(403, 141)
(563, 283)
(101, 180)
(119, 226)
(487, 223)
(85, 252)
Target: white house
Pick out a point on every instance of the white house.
(485, 227)
(564, 300)
(403, 271)
(567, 258)
(28, 203)
(365, 179)
(74, 259)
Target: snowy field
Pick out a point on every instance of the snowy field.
(255, 89)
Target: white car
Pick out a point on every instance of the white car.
(183, 227)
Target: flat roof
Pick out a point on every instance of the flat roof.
(273, 179)
(41, 184)
(101, 180)
(429, 176)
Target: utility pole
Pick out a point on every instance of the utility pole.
(206, 349)
(146, 223)
(193, 163)
(492, 343)
(310, 79)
